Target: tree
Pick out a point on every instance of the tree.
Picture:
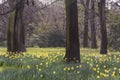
(15, 33)
(72, 37)
(86, 17)
(92, 24)
(102, 14)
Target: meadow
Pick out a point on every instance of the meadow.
(48, 64)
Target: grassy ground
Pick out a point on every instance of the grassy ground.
(47, 64)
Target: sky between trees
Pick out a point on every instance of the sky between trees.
(47, 1)
(44, 1)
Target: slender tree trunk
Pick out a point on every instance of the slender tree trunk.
(102, 14)
(92, 24)
(16, 31)
(72, 37)
(86, 14)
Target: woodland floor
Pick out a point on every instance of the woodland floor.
(48, 64)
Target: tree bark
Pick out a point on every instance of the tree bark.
(92, 24)
(72, 34)
(102, 14)
(16, 31)
(86, 17)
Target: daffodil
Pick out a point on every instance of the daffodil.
(28, 66)
(98, 77)
(94, 69)
(72, 68)
(54, 72)
(78, 72)
(41, 75)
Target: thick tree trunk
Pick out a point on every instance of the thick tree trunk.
(104, 42)
(86, 17)
(72, 37)
(15, 34)
(92, 24)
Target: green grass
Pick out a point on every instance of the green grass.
(47, 64)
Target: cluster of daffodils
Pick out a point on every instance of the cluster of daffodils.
(48, 64)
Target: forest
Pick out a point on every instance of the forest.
(59, 39)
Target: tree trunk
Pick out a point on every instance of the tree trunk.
(86, 17)
(72, 34)
(16, 31)
(92, 24)
(102, 14)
